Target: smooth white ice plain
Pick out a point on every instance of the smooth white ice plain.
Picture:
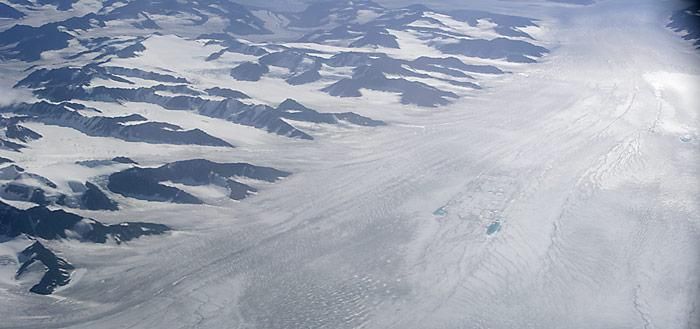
(567, 196)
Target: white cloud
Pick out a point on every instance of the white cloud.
(9, 95)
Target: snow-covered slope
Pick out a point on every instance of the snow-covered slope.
(353, 164)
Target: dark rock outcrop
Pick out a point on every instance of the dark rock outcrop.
(26, 43)
(44, 223)
(249, 71)
(333, 13)
(500, 48)
(124, 160)
(95, 199)
(34, 188)
(7, 11)
(231, 45)
(10, 146)
(239, 19)
(21, 133)
(138, 183)
(22, 192)
(372, 77)
(58, 270)
(14, 172)
(132, 128)
(231, 109)
(293, 110)
(61, 5)
(687, 21)
(146, 183)
(41, 222)
(13, 130)
(227, 93)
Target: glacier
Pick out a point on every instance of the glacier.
(349, 164)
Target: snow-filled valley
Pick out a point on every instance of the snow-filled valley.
(526, 164)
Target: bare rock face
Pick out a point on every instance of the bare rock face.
(146, 183)
(41, 222)
(57, 270)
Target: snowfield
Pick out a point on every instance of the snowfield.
(565, 194)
